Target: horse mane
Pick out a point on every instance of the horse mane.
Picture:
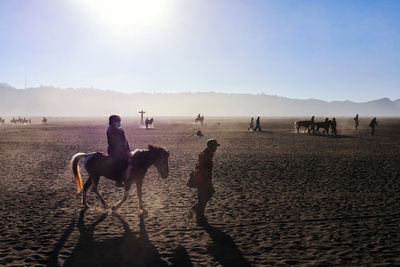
(159, 149)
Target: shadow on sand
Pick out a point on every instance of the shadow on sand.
(125, 250)
(223, 249)
(339, 136)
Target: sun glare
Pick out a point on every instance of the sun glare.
(127, 17)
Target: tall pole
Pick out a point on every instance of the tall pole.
(141, 116)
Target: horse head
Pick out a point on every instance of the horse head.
(161, 159)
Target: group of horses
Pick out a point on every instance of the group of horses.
(314, 127)
(20, 121)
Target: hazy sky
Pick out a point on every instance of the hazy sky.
(331, 50)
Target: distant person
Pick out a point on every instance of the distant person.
(372, 124)
(199, 133)
(118, 148)
(356, 122)
(312, 125)
(251, 125)
(203, 178)
(333, 127)
(258, 125)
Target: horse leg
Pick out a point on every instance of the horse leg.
(95, 184)
(126, 195)
(139, 184)
(85, 188)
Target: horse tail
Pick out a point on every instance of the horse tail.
(75, 169)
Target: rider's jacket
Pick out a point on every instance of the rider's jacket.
(203, 169)
(118, 147)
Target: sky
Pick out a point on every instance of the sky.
(329, 50)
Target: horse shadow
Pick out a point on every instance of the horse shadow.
(125, 250)
(223, 249)
(339, 136)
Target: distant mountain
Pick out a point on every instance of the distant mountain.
(397, 102)
(5, 85)
(50, 101)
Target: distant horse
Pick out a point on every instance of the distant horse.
(20, 121)
(299, 124)
(44, 120)
(199, 119)
(149, 123)
(26, 121)
(324, 125)
(98, 164)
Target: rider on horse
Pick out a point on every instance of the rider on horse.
(118, 147)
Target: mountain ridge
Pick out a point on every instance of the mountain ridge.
(52, 101)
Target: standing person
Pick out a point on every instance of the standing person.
(333, 127)
(118, 147)
(356, 122)
(312, 125)
(372, 124)
(258, 125)
(251, 125)
(203, 180)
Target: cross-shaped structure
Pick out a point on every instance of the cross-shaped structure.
(141, 116)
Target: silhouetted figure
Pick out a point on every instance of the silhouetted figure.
(312, 126)
(372, 124)
(149, 122)
(333, 127)
(118, 147)
(199, 118)
(203, 180)
(199, 133)
(356, 122)
(251, 125)
(258, 125)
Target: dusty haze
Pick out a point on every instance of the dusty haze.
(50, 101)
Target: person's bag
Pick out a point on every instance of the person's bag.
(191, 182)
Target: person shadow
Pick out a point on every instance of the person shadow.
(125, 250)
(223, 249)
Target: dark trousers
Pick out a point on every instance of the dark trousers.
(204, 194)
(119, 165)
(372, 130)
(257, 127)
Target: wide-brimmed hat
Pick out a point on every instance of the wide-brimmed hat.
(212, 142)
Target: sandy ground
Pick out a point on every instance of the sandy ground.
(281, 197)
